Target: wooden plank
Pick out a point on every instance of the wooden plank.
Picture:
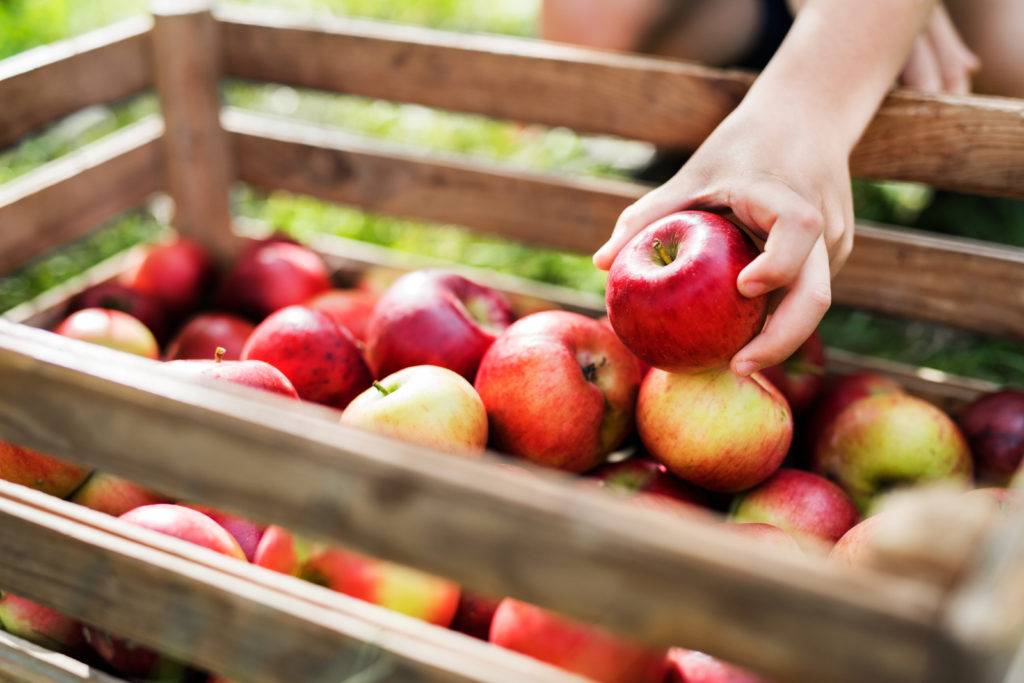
(23, 662)
(900, 272)
(67, 198)
(42, 85)
(497, 529)
(969, 143)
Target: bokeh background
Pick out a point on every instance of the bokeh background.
(25, 24)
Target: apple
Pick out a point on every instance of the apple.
(350, 308)
(432, 317)
(854, 548)
(316, 354)
(249, 373)
(766, 534)
(395, 587)
(994, 427)
(113, 495)
(273, 275)
(841, 392)
(39, 624)
(175, 273)
(888, 441)
(650, 480)
(131, 659)
(424, 404)
(691, 666)
(281, 551)
(800, 503)
(714, 429)
(204, 334)
(45, 473)
(117, 297)
(576, 647)
(475, 614)
(672, 295)
(113, 329)
(801, 376)
(247, 534)
(641, 365)
(559, 389)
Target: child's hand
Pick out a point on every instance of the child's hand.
(939, 60)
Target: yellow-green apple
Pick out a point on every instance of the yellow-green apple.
(801, 503)
(649, 480)
(39, 624)
(841, 392)
(175, 273)
(113, 329)
(393, 586)
(281, 551)
(691, 666)
(247, 534)
(766, 534)
(580, 648)
(117, 297)
(994, 427)
(889, 441)
(424, 404)
(801, 376)
(714, 428)
(201, 336)
(44, 473)
(350, 308)
(559, 389)
(432, 317)
(475, 614)
(272, 275)
(249, 373)
(113, 495)
(672, 295)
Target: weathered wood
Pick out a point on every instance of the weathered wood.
(895, 271)
(199, 165)
(497, 529)
(222, 614)
(40, 86)
(973, 144)
(65, 199)
(23, 662)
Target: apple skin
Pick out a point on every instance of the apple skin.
(281, 551)
(426, 405)
(840, 392)
(39, 624)
(714, 429)
(113, 329)
(317, 355)
(432, 317)
(395, 587)
(800, 377)
(475, 614)
(688, 315)
(640, 364)
(350, 308)
(41, 472)
(117, 297)
(800, 503)
(691, 666)
(113, 495)
(576, 647)
(994, 427)
(273, 275)
(766, 534)
(175, 273)
(249, 373)
(650, 480)
(853, 549)
(559, 389)
(203, 334)
(247, 534)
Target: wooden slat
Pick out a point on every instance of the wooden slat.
(496, 529)
(222, 614)
(23, 662)
(67, 198)
(42, 85)
(896, 271)
(973, 144)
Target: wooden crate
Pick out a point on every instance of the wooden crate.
(659, 578)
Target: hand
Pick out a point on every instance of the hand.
(788, 185)
(939, 60)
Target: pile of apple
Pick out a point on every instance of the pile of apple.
(641, 403)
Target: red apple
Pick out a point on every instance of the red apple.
(248, 373)
(800, 503)
(576, 647)
(432, 317)
(559, 389)
(397, 588)
(641, 365)
(994, 427)
(130, 659)
(113, 329)
(802, 375)
(475, 614)
(113, 495)
(39, 624)
(841, 392)
(672, 295)
(766, 534)
(424, 404)
(117, 297)
(854, 548)
(175, 273)
(650, 480)
(271, 276)
(204, 334)
(691, 666)
(317, 355)
(714, 429)
(247, 534)
(280, 551)
(44, 473)
(351, 308)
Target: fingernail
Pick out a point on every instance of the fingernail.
(752, 288)
(745, 368)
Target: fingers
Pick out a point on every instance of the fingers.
(656, 204)
(795, 319)
(956, 61)
(922, 71)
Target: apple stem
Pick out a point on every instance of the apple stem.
(662, 252)
(218, 354)
(381, 388)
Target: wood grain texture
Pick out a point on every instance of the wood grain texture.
(894, 271)
(224, 615)
(65, 199)
(42, 85)
(970, 143)
(23, 662)
(497, 529)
